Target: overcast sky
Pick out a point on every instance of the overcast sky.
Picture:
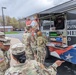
(23, 8)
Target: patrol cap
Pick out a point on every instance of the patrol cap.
(7, 42)
(28, 27)
(18, 48)
(3, 40)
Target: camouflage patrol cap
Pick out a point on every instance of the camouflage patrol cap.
(7, 42)
(18, 48)
(28, 27)
(3, 40)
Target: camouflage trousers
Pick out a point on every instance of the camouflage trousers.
(29, 53)
(41, 53)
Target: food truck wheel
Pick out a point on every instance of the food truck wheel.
(47, 52)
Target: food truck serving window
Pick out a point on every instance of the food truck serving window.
(59, 23)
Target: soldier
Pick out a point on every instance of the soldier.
(30, 67)
(18, 54)
(34, 43)
(4, 47)
(41, 47)
(27, 42)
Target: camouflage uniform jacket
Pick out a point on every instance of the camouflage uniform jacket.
(27, 42)
(17, 69)
(35, 68)
(26, 38)
(31, 68)
(41, 41)
(4, 65)
(41, 49)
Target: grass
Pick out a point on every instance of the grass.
(13, 32)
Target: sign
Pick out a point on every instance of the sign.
(71, 25)
(71, 32)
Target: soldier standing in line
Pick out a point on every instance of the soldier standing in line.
(18, 54)
(29, 67)
(41, 47)
(4, 47)
(27, 42)
(34, 43)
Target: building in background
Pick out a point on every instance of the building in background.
(7, 28)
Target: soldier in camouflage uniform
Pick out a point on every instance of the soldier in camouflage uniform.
(35, 68)
(4, 47)
(27, 42)
(34, 43)
(41, 47)
(18, 54)
(30, 67)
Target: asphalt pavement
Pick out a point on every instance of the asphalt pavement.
(19, 36)
(65, 69)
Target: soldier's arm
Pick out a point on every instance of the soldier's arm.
(53, 68)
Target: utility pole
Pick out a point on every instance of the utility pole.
(3, 17)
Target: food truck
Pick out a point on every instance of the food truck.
(59, 25)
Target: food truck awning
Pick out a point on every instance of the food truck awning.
(67, 7)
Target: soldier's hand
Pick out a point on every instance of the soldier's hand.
(58, 62)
